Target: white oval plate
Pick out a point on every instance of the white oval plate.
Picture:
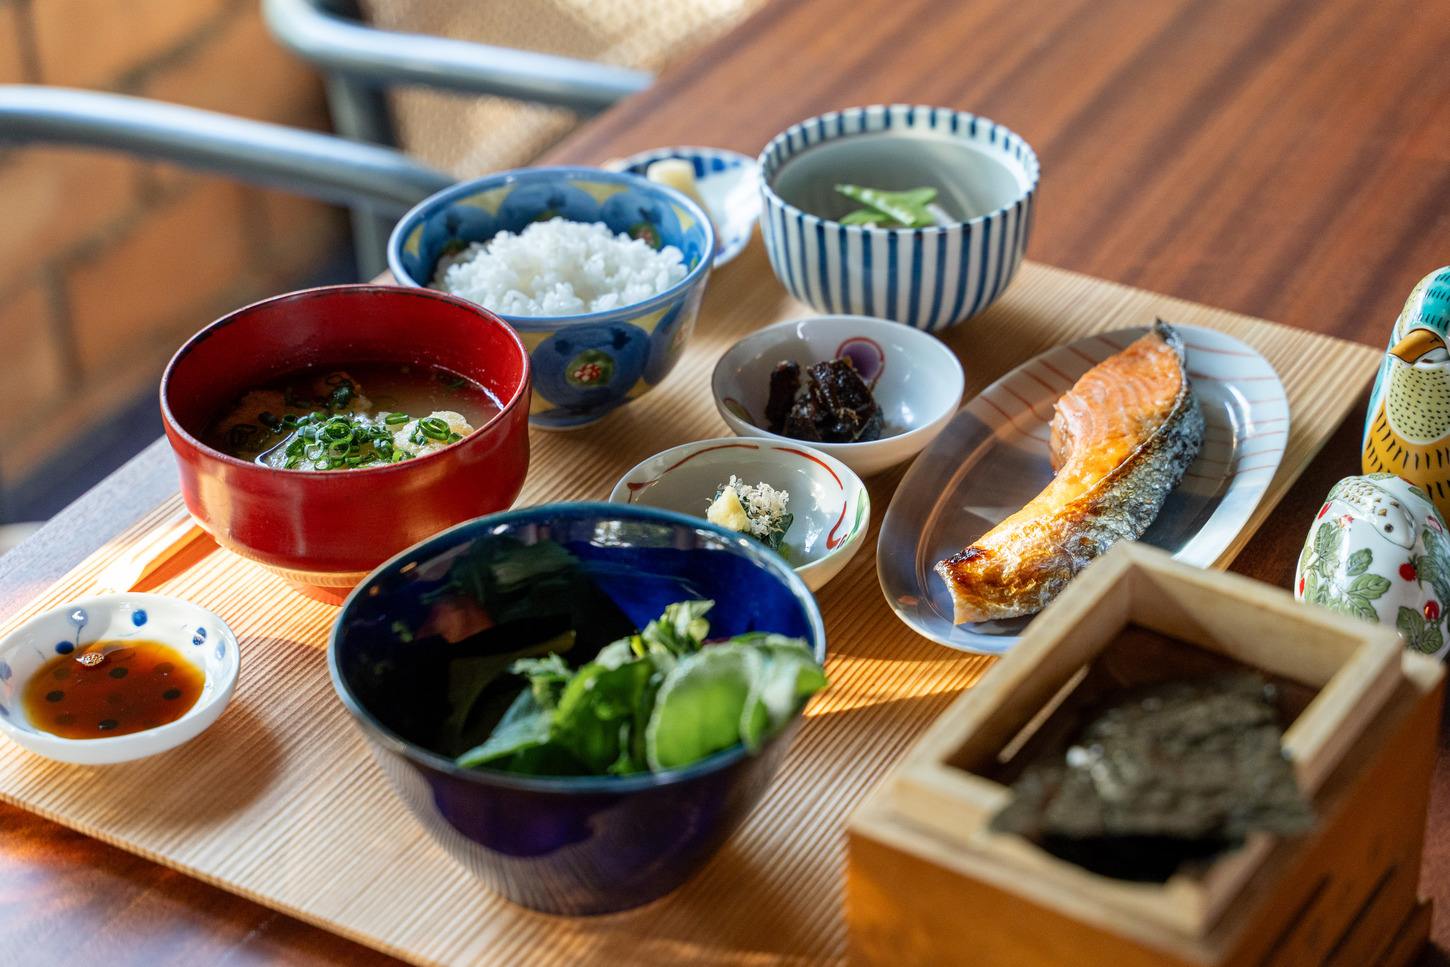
(992, 459)
(726, 181)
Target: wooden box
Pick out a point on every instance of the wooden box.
(929, 884)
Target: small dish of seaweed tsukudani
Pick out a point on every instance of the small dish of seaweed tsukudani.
(914, 380)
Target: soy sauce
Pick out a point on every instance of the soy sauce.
(112, 688)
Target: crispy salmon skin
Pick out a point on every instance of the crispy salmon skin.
(1122, 438)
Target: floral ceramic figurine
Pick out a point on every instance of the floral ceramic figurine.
(1407, 429)
(1378, 550)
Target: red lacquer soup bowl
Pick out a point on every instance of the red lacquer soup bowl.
(323, 531)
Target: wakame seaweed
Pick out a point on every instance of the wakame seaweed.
(446, 685)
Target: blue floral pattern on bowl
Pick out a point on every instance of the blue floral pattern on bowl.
(584, 366)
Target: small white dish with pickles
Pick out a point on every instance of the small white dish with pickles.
(828, 508)
(725, 183)
(914, 378)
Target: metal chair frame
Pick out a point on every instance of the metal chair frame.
(360, 62)
(378, 182)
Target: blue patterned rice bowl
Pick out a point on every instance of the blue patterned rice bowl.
(584, 366)
(928, 278)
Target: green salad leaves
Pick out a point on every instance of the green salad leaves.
(657, 699)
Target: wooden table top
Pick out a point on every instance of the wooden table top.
(1287, 159)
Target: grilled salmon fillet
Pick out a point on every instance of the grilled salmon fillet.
(1122, 438)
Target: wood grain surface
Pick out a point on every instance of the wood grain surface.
(1285, 159)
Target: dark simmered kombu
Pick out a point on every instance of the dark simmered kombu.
(785, 383)
(834, 406)
(1165, 773)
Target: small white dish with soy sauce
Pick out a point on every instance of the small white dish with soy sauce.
(115, 677)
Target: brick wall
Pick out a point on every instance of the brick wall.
(107, 262)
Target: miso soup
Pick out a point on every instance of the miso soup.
(351, 417)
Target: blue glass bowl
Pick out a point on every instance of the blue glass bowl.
(584, 366)
(566, 845)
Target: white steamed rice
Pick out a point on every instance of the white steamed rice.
(560, 268)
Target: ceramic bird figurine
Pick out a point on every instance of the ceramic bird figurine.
(1379, 550)
(1407, 428)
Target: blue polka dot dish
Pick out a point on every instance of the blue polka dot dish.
(584, 366)
(191, 633)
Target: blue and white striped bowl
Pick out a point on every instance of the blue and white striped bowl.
(928, 278)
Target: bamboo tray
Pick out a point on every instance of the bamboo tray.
(280, 801)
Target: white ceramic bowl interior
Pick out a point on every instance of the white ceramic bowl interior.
(919, 381)
(195, 633)
(831, 507)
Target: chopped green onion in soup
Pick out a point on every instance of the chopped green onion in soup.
(327, 422)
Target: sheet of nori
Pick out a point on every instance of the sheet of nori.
(1165, 773)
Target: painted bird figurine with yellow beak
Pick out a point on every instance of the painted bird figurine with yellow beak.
(1407, 428)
